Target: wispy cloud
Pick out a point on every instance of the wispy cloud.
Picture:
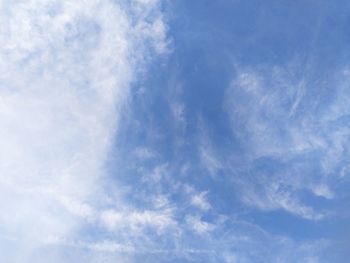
(280, 127)
(137, 221)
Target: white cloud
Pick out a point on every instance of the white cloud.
(161, 201)
(279, 122)
(323, 190)
(209, 158)
(200, 201)
(198, 225)
(144, 153)
(65, 71)
(136, 221)
(178, 111)
(272, 197)
(159, 173)
(102, 246)
(208, 155)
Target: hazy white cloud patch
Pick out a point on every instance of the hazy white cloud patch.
(65, 71)
(209, 160)
(178, 110)
(200, 201)
(208, 154)
(136, 220)
(144, 153)
(323, 191)
(198, 225)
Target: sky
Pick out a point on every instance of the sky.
(174, 131)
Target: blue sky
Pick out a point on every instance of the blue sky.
(174, 131)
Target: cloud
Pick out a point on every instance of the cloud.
(136, 221)
(323, 191)
(178, 111)
(144, 153)
(200, 201)
(209, 159)
(274, 197)
(66, 68)
(198, 225)
(292, 140)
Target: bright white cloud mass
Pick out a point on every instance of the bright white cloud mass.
(174, 131)
(66, 70)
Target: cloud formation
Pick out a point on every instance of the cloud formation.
(66, 69)
(292, 140)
